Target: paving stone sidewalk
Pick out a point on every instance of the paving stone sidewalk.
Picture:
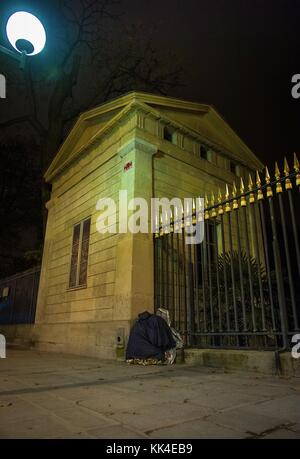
(46, 395)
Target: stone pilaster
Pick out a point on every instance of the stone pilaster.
(134, 272)
(48, 245)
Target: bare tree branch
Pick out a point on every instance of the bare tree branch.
(128, 61)
(37, 126)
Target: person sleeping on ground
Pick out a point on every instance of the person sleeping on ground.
(149, 341)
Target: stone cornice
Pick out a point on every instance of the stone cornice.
(137, 144)
(56, 168)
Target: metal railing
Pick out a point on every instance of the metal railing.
(239, 288)
(18, 297)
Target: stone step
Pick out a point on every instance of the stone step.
(264, 362)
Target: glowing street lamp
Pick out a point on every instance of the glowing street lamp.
(26, 34)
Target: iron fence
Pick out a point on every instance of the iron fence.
(18, 297)
(239, 288)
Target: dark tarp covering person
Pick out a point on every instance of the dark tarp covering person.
(150, 338)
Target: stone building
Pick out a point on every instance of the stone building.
(93, 285)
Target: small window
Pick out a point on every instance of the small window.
(170, 134)
(80, 252)
(203, 152)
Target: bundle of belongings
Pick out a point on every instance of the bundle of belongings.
(152, 340)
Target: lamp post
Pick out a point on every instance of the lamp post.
(26, 34)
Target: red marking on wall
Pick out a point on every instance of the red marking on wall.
(128, 166)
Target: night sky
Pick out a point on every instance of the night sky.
(238, 55)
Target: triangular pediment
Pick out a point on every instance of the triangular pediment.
(198, 120)
(85, 129)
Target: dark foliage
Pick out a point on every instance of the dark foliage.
(20, 204)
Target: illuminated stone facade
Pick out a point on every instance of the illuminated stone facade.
(150, 146)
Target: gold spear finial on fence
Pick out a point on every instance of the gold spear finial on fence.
(260, 194)
(182, 217)
(171, 222)
(242, 190)
(234, 193)
(286, 167)
(194, 220)
(268, 180)
(200, 210)
(227, 205)
(220, 198)
(167, 223)
(250, 187)
(288, 183)
(157, 225)
(242, 186)
(277, 176)
(194, 205)
(258, 180)
(188, 215)
(297, 169)
(161, 231)
(250, 183)
(226, 192)
(213, 211)
(206, 212)
(176, 219)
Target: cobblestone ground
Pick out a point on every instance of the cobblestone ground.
(61, 396)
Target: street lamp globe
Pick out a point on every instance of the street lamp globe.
(26, 33)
